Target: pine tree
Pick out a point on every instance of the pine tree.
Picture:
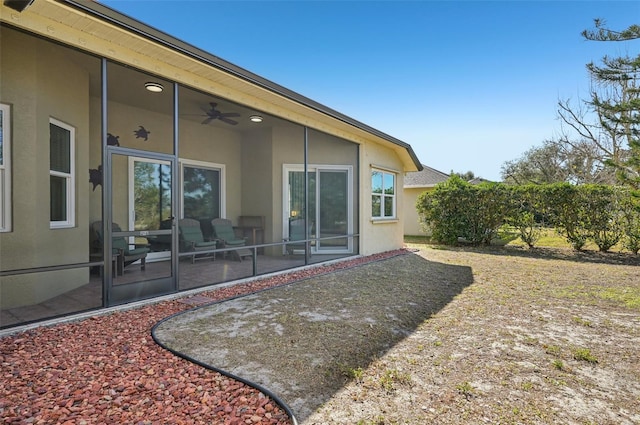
(616, 99)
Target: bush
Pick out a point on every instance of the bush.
(603, 222)
(630, 218)
(527, 212)
(568, 212)
(487, 213)
(458, 211)
(441, 211)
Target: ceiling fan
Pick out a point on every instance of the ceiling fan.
(215, 114)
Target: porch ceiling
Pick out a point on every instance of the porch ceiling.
(96, 28)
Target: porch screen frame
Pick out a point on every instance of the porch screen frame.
(5, 168)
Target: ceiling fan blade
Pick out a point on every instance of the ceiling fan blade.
(207, 121)
(228, 121)
(229, 114)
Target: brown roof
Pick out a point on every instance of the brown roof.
(428, 177)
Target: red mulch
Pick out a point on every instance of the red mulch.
(108, 370)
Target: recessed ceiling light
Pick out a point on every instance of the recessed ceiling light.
(255, 118)
(154, 87)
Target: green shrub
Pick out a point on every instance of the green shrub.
(568, 213)
(603, 223)
(458, 211)
(527, 212)
(487, 212)
(630, 217)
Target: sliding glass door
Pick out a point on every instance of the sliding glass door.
(333, 200)
(330, 208)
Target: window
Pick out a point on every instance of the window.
(202, 197)
(5, 168)
(383, 198)
(61, 174)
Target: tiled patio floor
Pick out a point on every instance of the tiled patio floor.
(203, 273)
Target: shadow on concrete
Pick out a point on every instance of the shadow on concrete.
(302, 341)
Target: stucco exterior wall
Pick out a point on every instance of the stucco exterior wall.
(197, 142)
(222, 148)
(40, 87)
(123, 119)
(380, 235)
(257, 179)
(412, 225)
(288, 148)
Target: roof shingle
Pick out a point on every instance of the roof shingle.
(428, 177)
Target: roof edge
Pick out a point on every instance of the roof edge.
(121, 20)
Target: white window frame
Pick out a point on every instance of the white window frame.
(384, 198)
(69, 178)
(208, 165)
(5, 170)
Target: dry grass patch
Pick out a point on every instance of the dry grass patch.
(541, 336)
(442, 336)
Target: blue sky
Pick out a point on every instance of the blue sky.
(469, 84)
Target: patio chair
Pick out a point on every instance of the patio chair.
(297, 235)
(223, 231)
(191, 239)
(160, 243)
(121, 248)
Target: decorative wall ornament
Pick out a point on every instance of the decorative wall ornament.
(95, 176)
(112, 140)
(142, 133)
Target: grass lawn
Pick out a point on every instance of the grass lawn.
(541, 336)
(550, 238)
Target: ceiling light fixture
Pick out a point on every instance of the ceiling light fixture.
(154, 87)
(255, 118)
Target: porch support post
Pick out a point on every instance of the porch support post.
(107, 275)
(175, 190)
(306, 197)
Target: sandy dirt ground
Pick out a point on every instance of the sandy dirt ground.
(439, 336)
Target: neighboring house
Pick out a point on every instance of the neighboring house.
(479, 180)
(416, 183)
(107, 120)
